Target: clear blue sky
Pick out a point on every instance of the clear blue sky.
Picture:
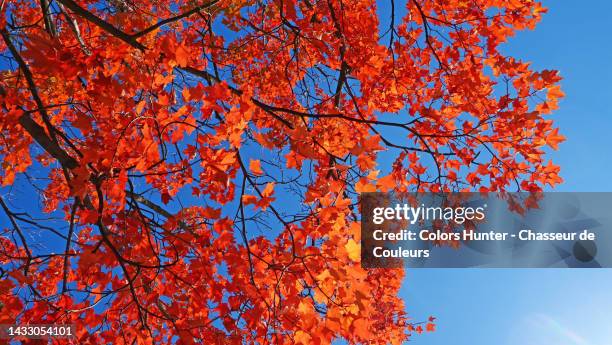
(541, 306)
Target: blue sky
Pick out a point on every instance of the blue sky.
(541, 306)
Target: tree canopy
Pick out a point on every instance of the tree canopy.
(189, 171)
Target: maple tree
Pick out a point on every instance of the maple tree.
(199, 162)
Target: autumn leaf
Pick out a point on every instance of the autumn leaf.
(554, 138)
(302, 337)
(364, 186)
(386, 183)
(353, 249)
(249, 199)
(361, 329)
(165, 197)
(255, 167)
(266, 197)
(182, 56)
(554, 92)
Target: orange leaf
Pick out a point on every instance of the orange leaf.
(269, 190)
(302, 337)
(363, 186)
(353, 249)
(554, 138)
(386, 183)
(255, 167)
(249, 199)
(182, 56)
(554, 92)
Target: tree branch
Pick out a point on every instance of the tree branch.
(173, 19)
(106, 26)
(49, 143)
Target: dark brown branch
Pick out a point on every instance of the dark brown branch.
(106, 26)
(9, 214)
(49, 143)
(53, 148)
(49, 26)
(173, 19)
(74, 26)
(68, 243)
(428, 36)
(341, 80)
